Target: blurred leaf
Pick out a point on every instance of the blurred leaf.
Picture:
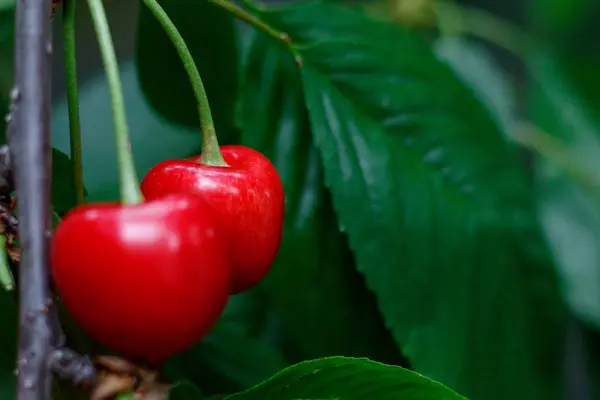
(478, 70)
(558, 17)
(338, 378)
(577, 56)
(321, 300)
(152, 139)
(572, 45)
(231, 357)
(210, 35)
(227, 361)
(6, 4)
(7, 16)
(590, 352)
(246, 313)
(439, 214)
(8, 339)
(571, 217)
(185, 390)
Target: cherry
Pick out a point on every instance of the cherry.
(147, 280)
(248, 201)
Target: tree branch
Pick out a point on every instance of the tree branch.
(29, 141)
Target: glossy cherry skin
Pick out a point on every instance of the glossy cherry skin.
(247, 198)
(147, 280)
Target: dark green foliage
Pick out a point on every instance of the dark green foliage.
(414, 235)
(313, 285)
(338, 378)
(404, 145)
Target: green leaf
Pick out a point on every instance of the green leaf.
(7, 5)
(558, 17)
(8, 339)
(476, 67)
(438, 211)
(185, 390)
(339, 378)
(571, 217)
(321, 300)
(229, 361)
(210, 35)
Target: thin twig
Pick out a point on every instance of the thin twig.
(73, 367)
(30, 151)
(256, 22)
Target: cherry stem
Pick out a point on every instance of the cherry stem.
(73, 97)
(129, 183)
(256, 22)
(211, 153)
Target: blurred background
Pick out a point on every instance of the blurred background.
(534, 63)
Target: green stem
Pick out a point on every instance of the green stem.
(211, 153)
(244, 15)
(559, 154)
(73, 97)
(6, 277)
(484, 25)
(129, 183)
(449, 19)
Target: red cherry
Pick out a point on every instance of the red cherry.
(147, 280)
(247, 198)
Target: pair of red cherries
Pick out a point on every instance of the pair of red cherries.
(149, 280)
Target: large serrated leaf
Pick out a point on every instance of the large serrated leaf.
(211, 37)
(474, 64)
(439, 214)
(320, 298)
(340, 378)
